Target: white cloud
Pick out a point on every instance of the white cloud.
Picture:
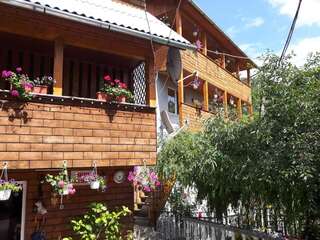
(303, 48)
(232, 31)
(255, 22)
(309, 13)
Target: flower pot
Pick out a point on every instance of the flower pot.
(40, 89)
(103, 97)
(121, 99)
(95, 185)
(5, 195)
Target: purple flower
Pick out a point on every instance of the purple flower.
(15, 93)
(147, 188)
(19, 69)
(6, 74)
(131, 176)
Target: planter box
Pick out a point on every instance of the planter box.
(103, 97)
(40, 89)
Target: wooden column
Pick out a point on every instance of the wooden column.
(178, 22)
(151, 98)
(181, 98)
(223, 61)
(239, 108)
(58, 67)
(248, 77)
(206, 95)
(225, 103)
(204, 43)
(238, 68)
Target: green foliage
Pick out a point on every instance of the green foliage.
(10, 185)
(99, 223)
(270, 161)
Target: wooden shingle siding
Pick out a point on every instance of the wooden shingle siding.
(43, 135)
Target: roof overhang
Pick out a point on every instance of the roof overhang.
(160, 34)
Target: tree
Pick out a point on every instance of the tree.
(272, 161)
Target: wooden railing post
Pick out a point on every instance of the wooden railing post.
(238, 69)
(225, 103)
(204, 43)
(239, 108)
(206, 95)
(248, 77)
(223, 61)
(58, 67)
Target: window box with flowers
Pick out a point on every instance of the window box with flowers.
(42, 85)
(114, 90)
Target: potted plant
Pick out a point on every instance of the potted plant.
(145, 177)
(114, 90)
(7, 187)
(41, 85)
(20, 84)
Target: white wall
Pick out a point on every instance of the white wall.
(163, 83)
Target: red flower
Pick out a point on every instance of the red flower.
(123, 85)
(19, 69)
(117, 81)
(107, 78)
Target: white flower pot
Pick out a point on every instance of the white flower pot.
(65, 191)
(95, 185)
(5, 195)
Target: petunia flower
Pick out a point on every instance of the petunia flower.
(15, 93)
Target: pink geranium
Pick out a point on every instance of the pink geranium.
(61, 183)
(6, 74)
(15, 93)
(19, 69)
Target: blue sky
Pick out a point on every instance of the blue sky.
(257, 25)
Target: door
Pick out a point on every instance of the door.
(12, 215)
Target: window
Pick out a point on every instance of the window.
(172, 101)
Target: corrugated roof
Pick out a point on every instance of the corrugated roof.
(114, 15)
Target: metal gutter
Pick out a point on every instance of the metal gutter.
(97, 23)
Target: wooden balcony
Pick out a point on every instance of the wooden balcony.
(215, 75)
(49, 129)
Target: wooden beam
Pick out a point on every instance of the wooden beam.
(225, 104)
(250, 110)
(223, 61)
(204, 43)
(151, 99)
(58, 67)
(206, 95)
(178, 22)
(239, 108)
(248, 77)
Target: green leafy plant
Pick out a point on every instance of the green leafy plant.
(99, 223)
(21, 85)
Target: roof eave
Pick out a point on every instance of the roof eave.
(101, 24)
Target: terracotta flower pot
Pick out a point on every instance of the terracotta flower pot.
(40, 89)
(121, 99)
(103, 97)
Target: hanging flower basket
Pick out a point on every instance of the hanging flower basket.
(61, 185)
(7, 186)
(145, 177)
(95, 181)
